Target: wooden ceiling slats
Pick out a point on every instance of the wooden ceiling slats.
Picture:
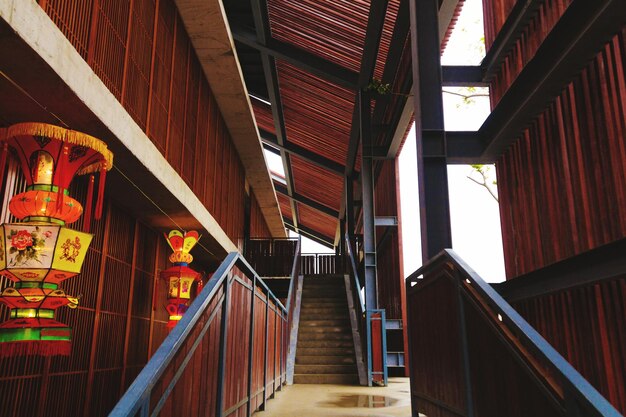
(333, 30)
(285, 206)
(317, 113)
(308, 180)
(317, 221)
(263, 116)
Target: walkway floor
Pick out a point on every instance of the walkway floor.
(308, 400)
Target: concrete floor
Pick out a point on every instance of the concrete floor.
(304, 400)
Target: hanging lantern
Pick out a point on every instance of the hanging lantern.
(180, 277)
(40, 253)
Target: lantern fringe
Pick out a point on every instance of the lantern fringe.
(3, 156)
(88, 205)
(65, 135)
(61, 163)
(100, 201)
(36, 347)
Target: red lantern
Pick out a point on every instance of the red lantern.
(40, 253)
(180, 277)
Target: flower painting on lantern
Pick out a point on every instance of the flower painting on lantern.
(38, 252)
(29, 246)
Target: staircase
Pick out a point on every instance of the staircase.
(325, 350)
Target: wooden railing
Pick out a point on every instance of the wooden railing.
(321, 263)
(271, 257)
(472, 354)
(205, 364)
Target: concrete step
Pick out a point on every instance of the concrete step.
(315, 343)
(322, 315)
(316, 321)
(324, 301)
(330, 293)
(331, 330)
(328, 284)
(325, 369)
(325, 351)
(331, 337)
(312, 307)
(324, 360)
(347, 379)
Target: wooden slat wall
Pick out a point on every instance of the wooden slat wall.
(563, 183)
(142, 53)
(258, 225)
(562, 189)
(496, 12)
(586, 325)
(116, 327)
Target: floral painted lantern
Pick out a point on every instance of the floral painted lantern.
(40, 253)
(180, 277)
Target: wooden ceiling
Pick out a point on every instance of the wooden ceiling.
(303, 63)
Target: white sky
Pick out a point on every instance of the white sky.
(475, 218)
(476, 235)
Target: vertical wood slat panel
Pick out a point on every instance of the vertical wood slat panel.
(566, 175)
(162, 67)
(137, 71)
(258, 225)
(159, 80)
(587, 326)
(110, 43)
(496, 12)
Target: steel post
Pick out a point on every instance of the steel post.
(429, 125)
(367, 191)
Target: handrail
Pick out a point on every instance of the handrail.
(138, 394)
(576, 389)
(294, 269)
(356, 274)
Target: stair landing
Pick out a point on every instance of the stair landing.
(308, 400)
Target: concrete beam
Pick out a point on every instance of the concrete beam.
(206, 24)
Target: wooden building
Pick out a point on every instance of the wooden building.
(188, 94)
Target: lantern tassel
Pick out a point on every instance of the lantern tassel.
(3, 160)
(100, 202)
(60, 170)
(35, 347)
(88, 205)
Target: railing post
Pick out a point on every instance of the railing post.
(368, 331)
(144, 411)
(251, 346)
(221, 370)
(274, 353)
(467, 377)
(280, 354)
(383, 336)
(572, 409)
(267, 314)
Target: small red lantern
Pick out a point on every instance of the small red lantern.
(180, 277)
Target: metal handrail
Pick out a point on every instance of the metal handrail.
(356, 274)
(138, 394)
(294, 269)
(575, 386)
